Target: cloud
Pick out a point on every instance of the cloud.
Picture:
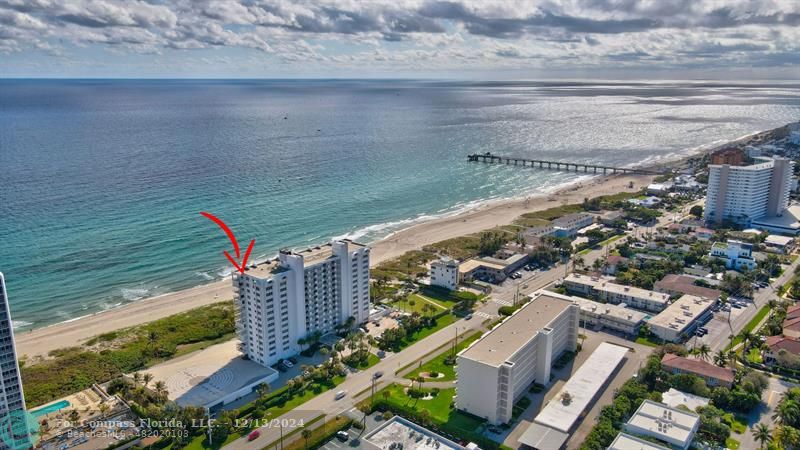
(408, 33)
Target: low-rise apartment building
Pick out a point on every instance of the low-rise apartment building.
(568, 225)
(497, 369)
(713, 375)
(604, 289)
(735, 254)
(674, 284)
(493, 270)
(607, 316)
(444, 273)
(681, 318)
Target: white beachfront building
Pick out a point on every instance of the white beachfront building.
(742, 194)
(735, 254)
(444, 273)
(497, 369)
(12, 399)
(298, 294)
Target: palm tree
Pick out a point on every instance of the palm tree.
(721, 359)
(103, 408)
(762, 434)
(747, 338)
(147, 378)
(263, 390)
(161, 389)
(704, 351)
(420, 380)
(74, 417)
(137, 377)
(306, 433)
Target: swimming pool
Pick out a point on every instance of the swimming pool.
(50, 408)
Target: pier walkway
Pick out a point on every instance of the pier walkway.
(490, 158)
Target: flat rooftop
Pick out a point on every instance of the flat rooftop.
(682, 312)
(472, 264)
(410, 435)
(550, 429)
(605, 284)
(608, 310)
(627, 442)
(311, 256)
(665, 422)
(788, 222)
(204, 377)
(499, 344)
(587, 381)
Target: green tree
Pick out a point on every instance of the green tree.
(696, 211)
(762, 434)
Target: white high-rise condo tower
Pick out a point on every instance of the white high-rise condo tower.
(742, 194)
(12, 401)
(299, 294)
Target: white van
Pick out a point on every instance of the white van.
(340, 394)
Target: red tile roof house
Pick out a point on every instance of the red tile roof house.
(703, 234)
(791, 324)
(674, 284)
(776, 344)
(612, 263)
(713, 375)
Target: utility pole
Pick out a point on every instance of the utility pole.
(208, 426)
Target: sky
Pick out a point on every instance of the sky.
(455, 39)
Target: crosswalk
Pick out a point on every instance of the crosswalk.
(484, 315)
(502, 302)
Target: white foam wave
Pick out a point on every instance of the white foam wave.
(133, 294)
(204, 276)
(20, 324)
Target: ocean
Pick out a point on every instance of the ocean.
(102, 181)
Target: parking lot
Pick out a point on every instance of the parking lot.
(719, 328)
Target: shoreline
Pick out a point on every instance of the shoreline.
(38, 342)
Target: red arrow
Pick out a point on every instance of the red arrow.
(241, 268)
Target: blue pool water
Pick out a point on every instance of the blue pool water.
(58, 406)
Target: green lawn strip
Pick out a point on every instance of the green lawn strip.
(441, 322)
(437, 364)
(645, 341)
(245, 412)
(760, 315)
(371, 361)
(319, 435)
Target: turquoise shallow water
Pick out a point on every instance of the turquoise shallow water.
(103, 180)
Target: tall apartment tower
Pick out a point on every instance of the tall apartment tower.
(298, 294)
(12, 401)
(745, 193)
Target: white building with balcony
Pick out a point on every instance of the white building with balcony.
(444, 273)
(735, 254)
(497, 369)
(742, 194)
(299, 294)
(604, 289)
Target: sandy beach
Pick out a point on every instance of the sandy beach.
(40, 342)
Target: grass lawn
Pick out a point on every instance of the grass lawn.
(754, 356)
(441, 322)
(646, 341)
(416, 303)
(439, 409)
(437, 364)
(738, 425)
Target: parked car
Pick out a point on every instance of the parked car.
(254, 435)
(293, 360)
(288, 364)
(342, 436)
